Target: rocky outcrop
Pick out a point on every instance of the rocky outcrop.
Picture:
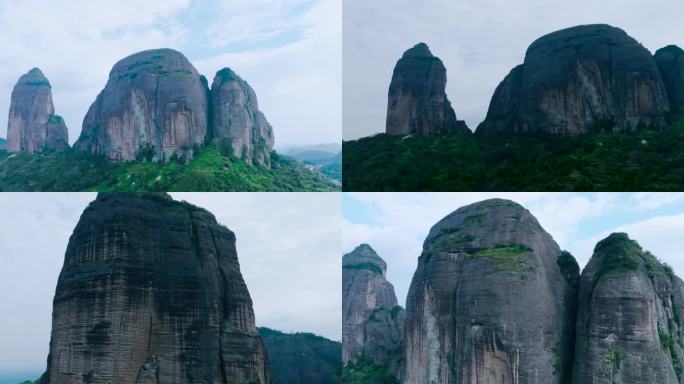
(418, 102)
(299, 358)
(578, 80)
(154, 107)
(629, 320)
(670, 60)
(237, 121)
(372, 322)
(493, 300)
(151, 292)
(32, 125)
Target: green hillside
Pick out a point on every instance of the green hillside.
(639, 161)
(208, 171)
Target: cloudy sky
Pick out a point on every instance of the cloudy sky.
(288, 50)
(396, 224)
(479, 41)
(288, 245)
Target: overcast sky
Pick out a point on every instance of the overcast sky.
(288, 50)
(396, 224)
(479, 41)
(288, 246)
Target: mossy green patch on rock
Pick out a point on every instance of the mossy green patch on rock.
(509, 259)
(365, 266)
(617, 253)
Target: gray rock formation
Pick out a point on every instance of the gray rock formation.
(151, 292)
(670, 60)
(237, 120)
(493, 300)
(302, 358)
(153, 107)
(372, 322)
(418, 102)
(32, 125)
(629, 320)
(580, 79)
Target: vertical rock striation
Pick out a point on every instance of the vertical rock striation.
(670, 60)
(577, 80)
(32, 125)
(151, 292)
(629, 320)
(372, 322)
(153, 107)
(418, 103)
(493, 300)
(237, 120)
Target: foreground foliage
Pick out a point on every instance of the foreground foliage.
(208, 171)
(639, 161)
(366, 372)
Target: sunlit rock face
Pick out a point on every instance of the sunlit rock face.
(151, 292)
(417, 100)
(581, 79)
(32, 124)
(493, 300)
(154, 107)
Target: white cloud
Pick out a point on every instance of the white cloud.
(480, 41)
(288, 247)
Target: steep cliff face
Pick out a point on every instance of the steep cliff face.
(153, 107)
(492, 301)
(151, 292)
(418, 102)
(580, 79)
(237, 120)
(629, 320)
(670, 60)
(32, 125)
(302, 358)
(372, 322)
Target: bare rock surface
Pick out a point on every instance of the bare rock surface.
(153, 107)
(151, 292)
(629, 320)
(237, 120)
(493, 300)
(418, 103)
(671, 63)
(372, 321)
(581, 79)
(32, 124)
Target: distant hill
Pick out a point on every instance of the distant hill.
(19, 378)
(298, 358)
(325, 158)
(291, 150)
(208, 171)
(3, 144)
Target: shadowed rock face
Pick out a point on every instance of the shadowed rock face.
(590, 77)
(493, 301)
(671, 63)
(32, 125)
(629, 320)
(302, 358)
(417, 99)
(151, 292)
(237, 120)
(372, 322)
(153, 106)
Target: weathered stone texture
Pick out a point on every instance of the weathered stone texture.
(238, 121)
(581, 79)
(492, 301)
(32, 124)
(151, 292)
(417, 100)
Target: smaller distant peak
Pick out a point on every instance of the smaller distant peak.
(677, 51)
(419, 50)
(364, 253)
(227, 74)
(34, 77)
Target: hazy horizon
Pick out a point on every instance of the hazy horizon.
(289, 51)
(478, 41)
